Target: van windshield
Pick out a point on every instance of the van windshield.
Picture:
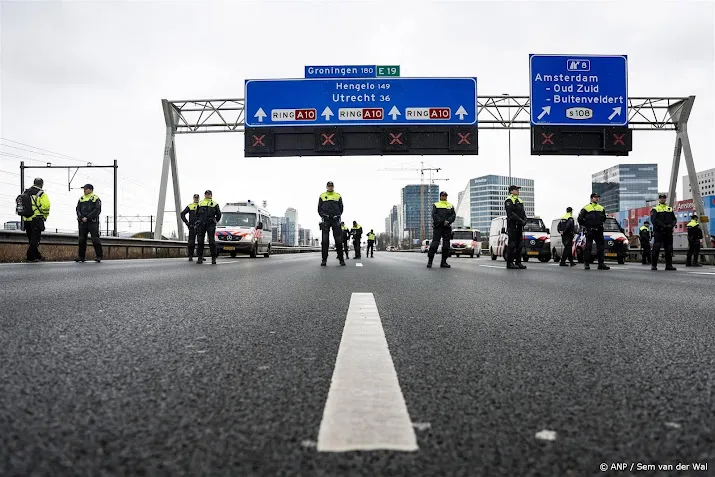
(237, 219)
(611, 225)
(463, 235)
(534, 225)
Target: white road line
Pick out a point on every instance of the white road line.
(492, 266)
(365, 409)
(358, 264)
(701, 273)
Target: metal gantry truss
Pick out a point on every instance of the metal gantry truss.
(495, 112)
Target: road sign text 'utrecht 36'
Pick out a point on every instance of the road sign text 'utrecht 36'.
(386, 101)
(578, 90)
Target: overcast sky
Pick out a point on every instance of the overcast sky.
(86, 78)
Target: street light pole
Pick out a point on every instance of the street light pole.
(508, 102)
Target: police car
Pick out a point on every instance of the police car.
(465, 241)
(244, 228)
(615, 243)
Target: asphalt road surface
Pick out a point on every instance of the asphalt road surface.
(279, 367)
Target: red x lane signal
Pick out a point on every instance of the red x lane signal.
(258, 140)
(464, 138)
(328, 139)
(547, 138)
(618, 139)
(395, 138)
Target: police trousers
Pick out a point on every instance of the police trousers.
(325, 227)
(444, 233)
(515, 244)
(91, 228)
(210, 229)
(662, 238)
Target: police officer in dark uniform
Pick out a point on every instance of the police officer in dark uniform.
(515, 221)
(664, 220)
(644, 237)
(208, 214)
(443, 215)
(356, 232)
(695, 234)
(567, 232)
(591, 218)
(88, 209)
(190, 223)
(330, 208)
(346, 239)
(370, 252)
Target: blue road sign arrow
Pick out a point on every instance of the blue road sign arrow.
(359, 102)
(567, 90)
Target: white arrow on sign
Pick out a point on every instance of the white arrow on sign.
(546, 110)
(260, 114)
(394, 112)
(616, 112)
(327, 113)
(461, 112)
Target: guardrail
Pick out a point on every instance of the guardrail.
(61, 246)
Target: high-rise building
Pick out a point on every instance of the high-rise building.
(483, 200)
(706, 182)
(626, 186)
(278, 224)
(417, 200)
(291, 227)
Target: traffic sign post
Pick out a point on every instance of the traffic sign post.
(578, 90)
(361, 102)
(351, 71)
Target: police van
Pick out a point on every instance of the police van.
(244, 228)
(465, 241)
(535, 236)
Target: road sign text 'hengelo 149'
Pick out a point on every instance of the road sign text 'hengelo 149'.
(578, 90)
(361, 102)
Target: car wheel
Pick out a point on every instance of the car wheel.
(544, 258)
(491, 252)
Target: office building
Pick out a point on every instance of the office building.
(417, 203)
(626, 186)
(706, 182)
(291, 227)
(483, 200)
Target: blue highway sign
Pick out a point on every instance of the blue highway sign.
(567, 90)
(347, 71)
(359, 102)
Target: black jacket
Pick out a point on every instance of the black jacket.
(208, 212)
(592, 219)
(515, 213)
(569, 228)
(663, 219)
(440, 214)
(192, 214)
(89, 208)
(330, 206)
(644, 236)
(695, 233)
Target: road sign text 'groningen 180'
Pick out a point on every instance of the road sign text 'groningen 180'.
(571, 90)
(360, 102)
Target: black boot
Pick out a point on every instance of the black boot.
(323, 263)
(199, 260)
(429, 262)
(520, 266)
(603, 266)
(444, 264)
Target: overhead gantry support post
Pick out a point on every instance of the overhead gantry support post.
(170, 118)
(680, 112)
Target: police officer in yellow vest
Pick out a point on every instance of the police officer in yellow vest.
(208, 214)
(191, 224)
(88, 209)
(567, 232)
(443, 215)
(356, 232)
(34, 221)
(370, 244)
(695, 234)
(515, 221)
(664, 221)
(644, 238)
(346, 239)
(330, 208)
(591, 218)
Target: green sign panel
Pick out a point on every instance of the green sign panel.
(388, 70)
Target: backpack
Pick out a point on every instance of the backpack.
(562, 226)
(24, 205)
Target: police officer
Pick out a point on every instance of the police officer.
(346, 239)
(591, 218)
(191, 224)
(330, 208)
(356, 232)
(644, 237)
(89, 206)
(695, 234)
(443, 215)
(207, 214)
(515, 221)
(35, 223)
(567, 233)
(664, 220)
(370, 244)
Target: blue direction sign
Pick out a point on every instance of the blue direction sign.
(347, 71)
(569, 90)
(360, 102)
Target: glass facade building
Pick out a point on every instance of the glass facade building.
(483, 200)
(417, 203)
(626, 186)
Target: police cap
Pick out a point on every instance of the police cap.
(514, 187)
(88, 186)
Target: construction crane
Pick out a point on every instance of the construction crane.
(422, 170)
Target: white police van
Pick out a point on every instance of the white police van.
(536, 239)
(244, 228)
(465, 241)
